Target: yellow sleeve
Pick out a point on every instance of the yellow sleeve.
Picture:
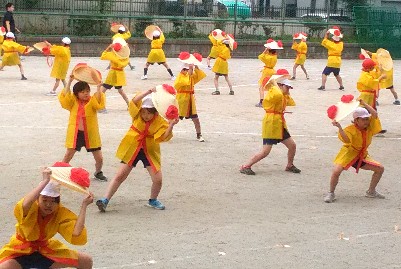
(375, 126)
(290, 101)
(327, 44)
(294, 46)
(349, 133)
(98, 104)
(162, 129)
(133, 108)
(126, 35)
(19, 211)
(181, 81)
(67, 100)
(212, 39)
(66, 227)
(162, 38)
(20, 48)
(107, 55)
(303, 47)
(198, 75)
(274, 95)
(369, 81)
(226, 53)
(56, 50)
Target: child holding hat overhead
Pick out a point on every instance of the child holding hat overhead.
(40, 216)
(83, 128)
(125, 34)
(185, 85)
(300, 46)
(269, 58)
(61, 63)
(334, 48)
(10, 53)
(214, 36)
(274, 127)
(357, 138)
(142, 143)
(156, 54)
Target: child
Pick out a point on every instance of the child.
(124, 34)
(357, 138)
(61, 63)
(141, 143)
(184, 84)
(10, 53)
(274, 127)
(368, 82)
(40, 216)
(2, 34)
(83, 128)
(269, 58)
(220, 67)
(300, 46)
(116, 76)
(156, 54)
(214, 52)
(334, 49)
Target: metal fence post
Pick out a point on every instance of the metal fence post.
(328, 14)
(184, 30)
(72, 17)
(130, 14)
(235, 17)
(282, 17)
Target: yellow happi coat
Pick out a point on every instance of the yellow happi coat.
(301, 48)
(143, 135)
(270, 61)
(184, 84)
(34, 233)
(357, 149)
(388, 81)
(274, 104)
(61, 61)
(221, 65)
(10, 52)
(1, 43)
(156, 54)
(368, 85)
(116, 75)
(124, 36)
(334, 50)
(214, 52)
(85, 111)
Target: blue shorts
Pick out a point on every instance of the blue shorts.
(268, 141)
(34, 260)
(140, 157)
(328, 70)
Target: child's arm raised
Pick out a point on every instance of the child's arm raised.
(169, 130)
(98, 93)
(33, 195)
(371, 110)
(67, 88)
(80, 224)
(141, 95)
(341, 132)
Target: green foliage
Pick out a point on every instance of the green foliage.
(178, 29)
(29, 4)
(268, 30)
(350, 4)
(140, 25)
(315, 26)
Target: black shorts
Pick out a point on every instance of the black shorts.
(108, 86)
(268, 141)
(140, 157)
(220, 74)
(355, 164)
(34, 260)
(194, 116)
(159, 63)
(328, 70)
(391, 87)
(81, 142)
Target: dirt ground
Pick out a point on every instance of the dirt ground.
(215, 217)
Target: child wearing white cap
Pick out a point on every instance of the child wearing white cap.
(125, 34)
(62, 59)
(220, 67)
(141, 143)
(10, 53)
(40, 216)
(356, 138)
(300, 46)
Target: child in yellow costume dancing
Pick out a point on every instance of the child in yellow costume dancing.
(300, 46)
(125, 34)
(40, 216)
(10, 53)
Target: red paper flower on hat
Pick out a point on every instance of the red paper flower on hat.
(280, 43)
(282, 72)
(332, 112)
(235, 45)
(2, 29)
(269, 40)
(223, 33)
(347, 98)
(113, 23)
(296, 35)
(214, 33)
(172, 112)
(198, 56)
(184, 55)
(336, 27)
(46, 51)
(368, 64)
(230, 35)
(170, 89)
(337, 32)
(362, 57)
(61, 164)
(80, 176)
(305, 34)
(117, 46)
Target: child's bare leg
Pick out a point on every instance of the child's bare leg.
(10, 264)
(377, 174)
(68, 155)
(294, 70)
(259, 156)
(104, 89)
(394, 93)
(168, 69)
(156, 182)
(1, 67)
(208, 61)
(56, 84)
(21, 69)
(339, 80)
(98, 160)
(292, 148)
(229, 83)
(123, 95)
(216, 82)
(119, 178)
(335, 176)
(324, 80)
(197, 125)
(303, 69)
(84, 262)
(64, 83)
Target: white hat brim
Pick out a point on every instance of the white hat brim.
(344, 109)
(62, 176)
(365, 54)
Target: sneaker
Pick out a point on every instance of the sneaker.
(51, 94)
(329, 197)
(247, 171)
(321, 88)
(209, 67)
(144, 77)
(383, 132)
(292, 78)
(99, 176)
(293, 169)
(23, 78)
(156, 204)
(132, 67)
(200, 138)
(102, 204)
(341, 88)
(173, 78)
(104, 111)
(374, 194)
(396, 102)
(216, 92)
(259, 104)
(231, 92)
(307, 77)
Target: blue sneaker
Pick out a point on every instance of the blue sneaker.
(102, 204)
(156, 204)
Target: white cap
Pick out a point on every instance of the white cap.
(156, 33)
(52, 189)
(10, 35)
(286, 82)
(361, 112)
(147, 102)
(122, 28)
(185, 66)
(66, 40)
